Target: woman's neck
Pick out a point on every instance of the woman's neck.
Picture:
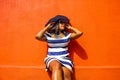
(59, 35)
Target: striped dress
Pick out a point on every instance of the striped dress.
(58, 50)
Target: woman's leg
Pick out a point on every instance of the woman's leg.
(67, 73)
(56, 68)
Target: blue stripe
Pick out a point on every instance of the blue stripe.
(58, 53)
(67, 63)
(58, 41)
(47, 60)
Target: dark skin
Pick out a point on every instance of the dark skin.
(59, 72)
(75, 34)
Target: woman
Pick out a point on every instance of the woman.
(57, 36)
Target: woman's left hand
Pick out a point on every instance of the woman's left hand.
(68, 26)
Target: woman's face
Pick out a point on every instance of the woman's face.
(62, 26)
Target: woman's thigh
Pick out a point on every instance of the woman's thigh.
(67, 73)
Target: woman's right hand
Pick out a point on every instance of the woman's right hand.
(50, 25)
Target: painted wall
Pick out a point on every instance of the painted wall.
(95, 55)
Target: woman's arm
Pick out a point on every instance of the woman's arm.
(76, 33)
(40, 35)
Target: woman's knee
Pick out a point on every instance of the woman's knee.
(55, 65)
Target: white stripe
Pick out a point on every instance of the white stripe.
(50, 38)
(57, 49)
(77, 67)
(69, 67)
(57, 56)
(58, 44)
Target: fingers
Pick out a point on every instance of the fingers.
(50, 24)
(68, 26)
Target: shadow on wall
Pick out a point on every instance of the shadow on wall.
(75, 47)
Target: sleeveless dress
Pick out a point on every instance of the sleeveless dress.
(58, 50)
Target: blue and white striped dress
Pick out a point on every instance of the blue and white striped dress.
(58, 50)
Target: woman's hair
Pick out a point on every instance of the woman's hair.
(55, 28)
(57, 19)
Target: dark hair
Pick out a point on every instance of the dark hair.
(58, 19)
(55, 28)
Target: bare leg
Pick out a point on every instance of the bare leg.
(56, 69)
(67, 73)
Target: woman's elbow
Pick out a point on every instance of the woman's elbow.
(80, 34)
(36, 37)
(40, 38)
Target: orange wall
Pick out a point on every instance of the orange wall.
(95, 55)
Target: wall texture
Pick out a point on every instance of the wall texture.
(96, 54)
